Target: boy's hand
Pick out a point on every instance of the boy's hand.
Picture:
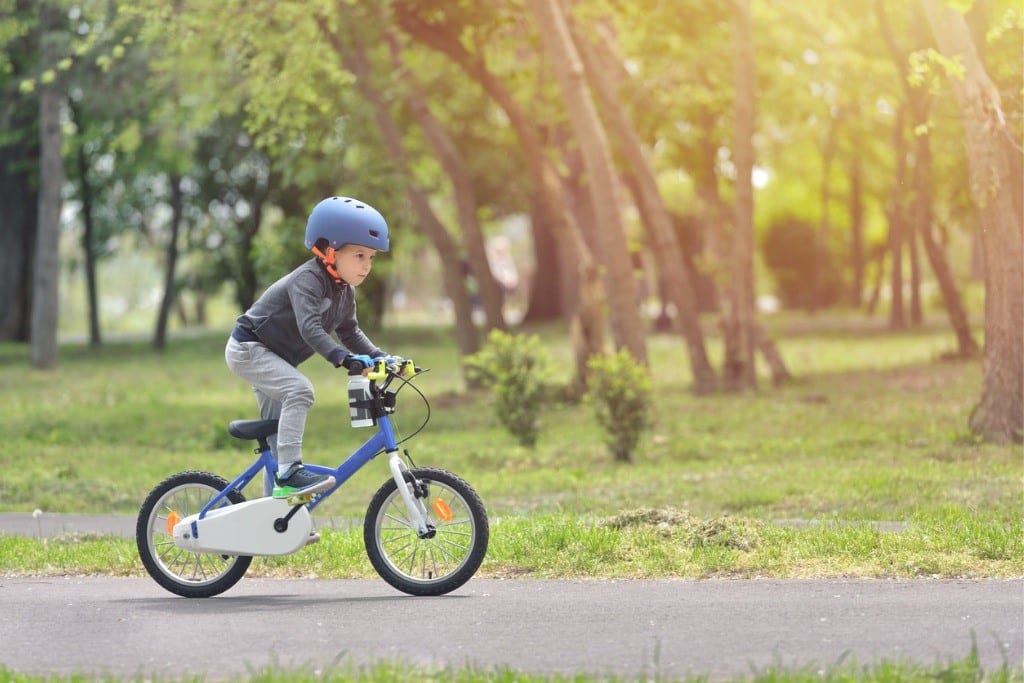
(361, 358)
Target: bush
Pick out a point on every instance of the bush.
(619, 392)
(517, 368)
(806, 272)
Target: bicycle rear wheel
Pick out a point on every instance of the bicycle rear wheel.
(190, 574)
(437, 564)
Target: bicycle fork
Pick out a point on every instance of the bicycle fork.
(418, 515)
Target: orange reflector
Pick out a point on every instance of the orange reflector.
(442, 510)
(172, 519)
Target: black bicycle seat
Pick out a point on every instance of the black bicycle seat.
(252, 429)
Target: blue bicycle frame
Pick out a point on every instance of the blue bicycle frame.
(382, 441)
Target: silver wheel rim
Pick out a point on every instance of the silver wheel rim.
(194, 569)
(426, 560)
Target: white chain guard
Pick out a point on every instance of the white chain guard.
(245, 529)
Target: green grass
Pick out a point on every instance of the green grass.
(873, 429)
(652, 543)
(966, 670)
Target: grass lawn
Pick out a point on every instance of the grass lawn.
(873, 429)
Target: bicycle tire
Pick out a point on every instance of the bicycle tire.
(427, 566)
(185, 573)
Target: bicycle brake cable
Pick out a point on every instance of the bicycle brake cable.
(407, 383)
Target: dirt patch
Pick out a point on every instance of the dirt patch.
(725, 531)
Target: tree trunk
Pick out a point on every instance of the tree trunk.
(491, 297)
(999, 415)
(19, 206)
(918, 100)
(620, 288)
(46, 270)
(828, 156)
(966, 346)
(912, 235)
(587, 330)
(551, 206)
(553, 283)
(88, 233)
(674, 281)
(170, 263)
(466, 334)
(897, 221)
(857, 230)
(740, 372)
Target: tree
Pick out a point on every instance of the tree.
(919, 102)
(999, 415)
(556, 232)
(358, 62)
(19, 153)
(620, 289)
(455, 168)
(740, 371)
(600, 62)
(46, 270)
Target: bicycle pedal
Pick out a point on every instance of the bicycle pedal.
(301, 499)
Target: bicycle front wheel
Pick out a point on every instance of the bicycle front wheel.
(190, 574)
(437, 564)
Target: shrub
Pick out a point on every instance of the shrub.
(807, 273)
(619, 392)
(517, 368)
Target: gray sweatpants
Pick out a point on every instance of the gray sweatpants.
(282, 392)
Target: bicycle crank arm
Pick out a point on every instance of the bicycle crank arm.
(417, 510)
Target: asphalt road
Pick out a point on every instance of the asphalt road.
(723, 628)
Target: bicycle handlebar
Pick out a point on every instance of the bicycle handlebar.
(381, 369)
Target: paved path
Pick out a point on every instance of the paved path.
(132, 627)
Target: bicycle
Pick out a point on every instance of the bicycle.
(425, 531)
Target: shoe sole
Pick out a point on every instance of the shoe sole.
(309, 490)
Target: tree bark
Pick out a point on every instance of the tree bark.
(999, 415)
(897, 221)
(491, 297)
(19, 206)
(170, 262)
(620, 288)
(922, 216)
(46, 270)
(740, 372)
(857, 230)
(551, 206)
(88, 232)
(674, 281)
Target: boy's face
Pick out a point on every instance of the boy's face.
(353, 263)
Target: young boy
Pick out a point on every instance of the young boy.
(293, 320)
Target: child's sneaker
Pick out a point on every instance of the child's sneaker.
(298, 481)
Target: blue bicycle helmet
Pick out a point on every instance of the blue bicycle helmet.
(342, 220)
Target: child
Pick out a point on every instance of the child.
(293, 320)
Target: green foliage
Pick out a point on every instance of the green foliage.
(806, 271)
(517, 368)
(619, 392)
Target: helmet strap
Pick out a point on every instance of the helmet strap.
(328, 261)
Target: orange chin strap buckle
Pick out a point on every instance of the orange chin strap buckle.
(328, 261)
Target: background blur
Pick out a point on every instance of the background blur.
(624, 167)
